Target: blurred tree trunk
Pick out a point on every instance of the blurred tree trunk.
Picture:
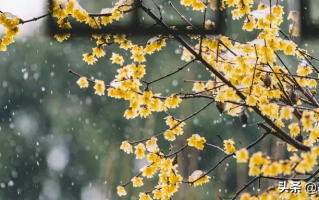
(109, 169)
(265, 148)
(187, 165)
(277, 152)
(241, 178)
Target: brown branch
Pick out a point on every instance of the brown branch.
(215, 147)
(310, 98)
(246, 185)
(252, 82)
(222, 78)
(181, 121)
(90, 80)
(181, 16)
(35, 18)
(202, 36)
(176, 152)
(90, 14)
(170, 74)
(227, 156)
(137, 175)
(288, 75)
(302, 53)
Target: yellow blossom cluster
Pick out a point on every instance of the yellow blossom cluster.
(198, 178)
(242, 155)
(62, 9)
(197, 142)
(169, 178)
(194, 4)
(229, 146)
(200, 86)
(175, 128)
(10, 23)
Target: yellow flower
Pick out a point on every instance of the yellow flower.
(169, 190)
(121, 191)
(70, 6)
(251, 100)
(140, 151)
(153, 157)
(116, 14)
(236, 14)
(196, 141)
(175, 178)
(280, 123)
(156, 105)
(148, 171)
(137, 182)
(304, 70)
(254, 171)
(245, 196)
(157, 194)
(80, 15)
(307, 163)
(62, 37)
(231, 3)
(126, 147)
(138, 57)
(147, 97)
(119, 38)
(242, 156)
(198, 5)
(198, 87)
(145, 111)
(314, 134)
(290, 48)
(277, 10)
(150, 48)
(312, 83)
(210, 85)
(249, 24)
(173, 101)
(169, 135)
(186, 2)
(167, 165)
(117, 59)
(106, 20)
(151, 145)
(274, 169)
(257, 159)
(83, 82)
(229, 146)
(315, 150)
(286, 112)
(126, 44)
(307, 120)
(291, 148)
(144, 196)
(99, 87)
(98, 52)
(89, 58)
(198, 177)
(130, 113)
(3, 47)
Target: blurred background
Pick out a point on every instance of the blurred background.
(59, 142)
